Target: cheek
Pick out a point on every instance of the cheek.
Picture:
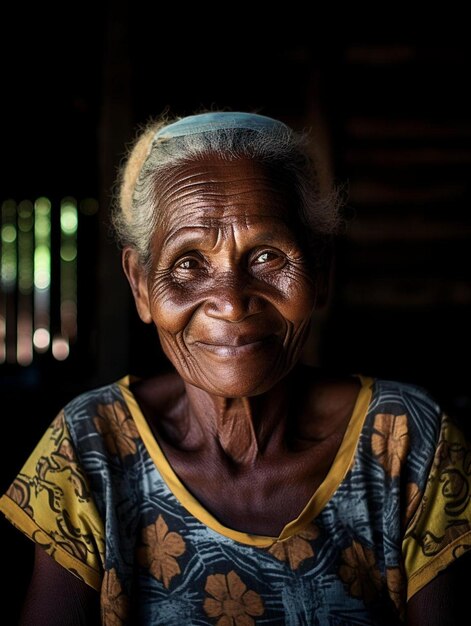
(297, 296)
(172, 310)
(172, 306)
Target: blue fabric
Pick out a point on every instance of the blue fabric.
(220, 120)
(94, 495)
(320, 587)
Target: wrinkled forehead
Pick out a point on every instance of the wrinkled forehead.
(215, 189)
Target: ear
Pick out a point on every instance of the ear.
(137, 278)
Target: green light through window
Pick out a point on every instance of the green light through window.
(42, 206)
(42, 273)
(68, 252)
(8, 276)
(9, 234)
(25, 247)
(69, 220)
(8, 264)
(38, 246)
(42, 267)
(68, 276)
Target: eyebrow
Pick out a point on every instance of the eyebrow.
(188, 235)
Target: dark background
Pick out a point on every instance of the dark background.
(390, 121)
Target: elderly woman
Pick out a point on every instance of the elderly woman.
(243, 487)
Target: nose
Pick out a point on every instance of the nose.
(232, 299)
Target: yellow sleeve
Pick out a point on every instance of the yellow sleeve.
(50, 502)
(440, 530)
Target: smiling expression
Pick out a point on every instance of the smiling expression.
(230, 289)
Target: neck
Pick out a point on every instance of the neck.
(243, 427)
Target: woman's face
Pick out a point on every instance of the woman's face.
(230, 289)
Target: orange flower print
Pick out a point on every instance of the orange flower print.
(160, 549)
(114, 602)
(231, 602)
(390, 442)
(359, 572)
(117, 427)
(296, 549)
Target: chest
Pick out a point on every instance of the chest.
(191, 572)
(260, 500)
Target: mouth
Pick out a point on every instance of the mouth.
(239, 347)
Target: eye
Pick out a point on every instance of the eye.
(269, 258)
(264, 257)
(188, 262)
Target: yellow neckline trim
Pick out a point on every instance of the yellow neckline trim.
(321, 496)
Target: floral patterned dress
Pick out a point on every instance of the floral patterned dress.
(394, 510)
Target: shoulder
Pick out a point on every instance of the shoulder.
(97, 405)
(102, 428)
(404, 419)
(89, 400)
(408, 392)
(414, 400)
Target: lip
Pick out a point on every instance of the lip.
(240, 348)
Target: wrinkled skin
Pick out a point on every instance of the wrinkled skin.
(230, 290)
(251, 434)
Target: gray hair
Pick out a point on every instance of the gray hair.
(136, 213)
